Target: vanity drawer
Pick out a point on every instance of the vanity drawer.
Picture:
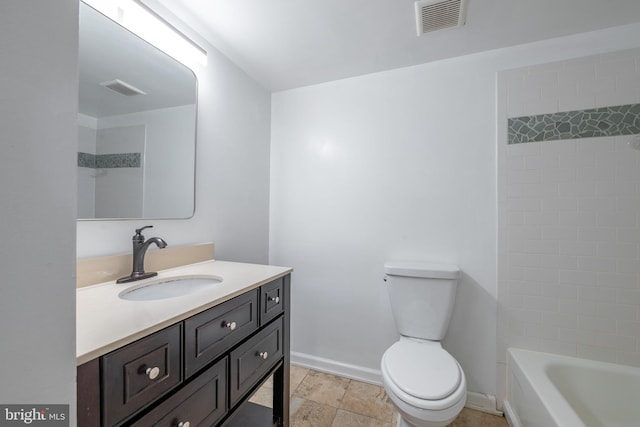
(139, 373)
(254, 358)
(201, 402)
(271, 300)
(210, 333)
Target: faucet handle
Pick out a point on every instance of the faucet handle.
(139, 230)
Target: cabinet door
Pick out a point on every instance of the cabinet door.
(202, 402)
(252, 359)
(209, 334)
(271, 300)
(137, 374)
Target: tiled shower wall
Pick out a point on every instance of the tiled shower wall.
(569, 216)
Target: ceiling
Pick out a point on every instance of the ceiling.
(285, 44)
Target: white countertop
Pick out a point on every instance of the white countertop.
(105, 322)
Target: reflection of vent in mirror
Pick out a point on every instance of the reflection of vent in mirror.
(122, 88)
(433, 15)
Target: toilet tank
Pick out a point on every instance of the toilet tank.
(422, 297)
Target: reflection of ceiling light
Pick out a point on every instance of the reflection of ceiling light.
(122, 88)
(148, 26)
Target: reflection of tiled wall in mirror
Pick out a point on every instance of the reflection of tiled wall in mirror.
(119, 191)
(86, 171)
(110, 171)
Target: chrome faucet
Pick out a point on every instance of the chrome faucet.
(140, 247)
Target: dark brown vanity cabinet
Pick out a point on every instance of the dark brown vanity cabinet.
(201, 402)
(139, 373)
(253, 358)
(271, 301)
(197, 372)
(211, 332)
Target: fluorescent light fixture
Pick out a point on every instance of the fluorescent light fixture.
(148, 26)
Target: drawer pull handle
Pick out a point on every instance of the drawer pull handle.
(230, 325)
(275, 299)
(152, 373)
(184, 424)
(263, 354)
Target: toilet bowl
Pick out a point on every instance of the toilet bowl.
(424, 382)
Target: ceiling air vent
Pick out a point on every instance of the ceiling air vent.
(122, 88)
(434, 15)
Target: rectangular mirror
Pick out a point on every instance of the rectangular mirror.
(136, 126)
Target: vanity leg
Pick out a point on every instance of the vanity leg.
(88, 392)
(281, 377)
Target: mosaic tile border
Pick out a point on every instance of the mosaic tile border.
(109, 161)
(121, 160)
(86, 160)
(594, 122)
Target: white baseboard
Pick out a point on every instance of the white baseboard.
(482, 402)
(354, 372)
(477, 401)
(512, 418)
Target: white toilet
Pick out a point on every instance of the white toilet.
(424, 382)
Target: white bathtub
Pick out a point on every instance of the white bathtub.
(548, 390)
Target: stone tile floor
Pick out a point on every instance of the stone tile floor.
(323, 400)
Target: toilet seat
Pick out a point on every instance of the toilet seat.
(422, 374)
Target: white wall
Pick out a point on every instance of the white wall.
(378, 168)
(38, 107)
(569, 250)
(232, 170)
(396, 165)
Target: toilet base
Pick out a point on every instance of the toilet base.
(404, 423)
(411, 416)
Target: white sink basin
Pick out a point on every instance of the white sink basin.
(169, 288)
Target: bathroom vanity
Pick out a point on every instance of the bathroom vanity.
(190, 360)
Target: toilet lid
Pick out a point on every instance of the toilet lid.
(422, 369)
